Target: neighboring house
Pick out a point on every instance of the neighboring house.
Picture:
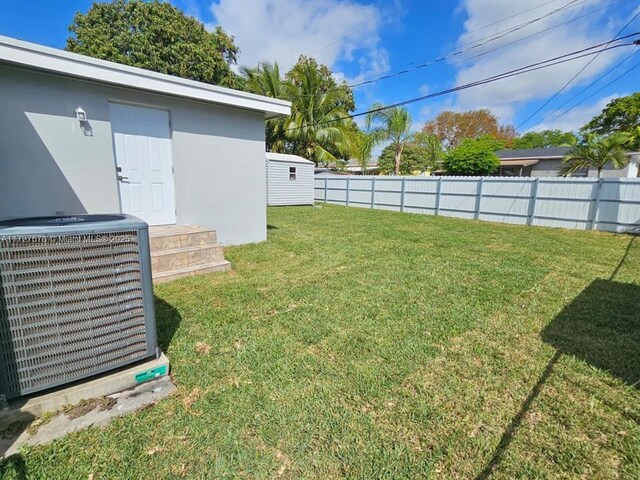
(289, 180)
(81, 135)
(547, 162)
(352, 167)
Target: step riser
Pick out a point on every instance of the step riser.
(174, 261)
(170, 278)
(169, 242)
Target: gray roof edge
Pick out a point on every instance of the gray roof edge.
(39, 57)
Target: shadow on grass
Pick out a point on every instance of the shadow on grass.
(14, 467)
(271, 227)
(168, 320)
(601, 326)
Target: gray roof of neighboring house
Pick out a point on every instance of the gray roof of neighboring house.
(537, 153)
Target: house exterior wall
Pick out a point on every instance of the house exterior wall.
(546, 168)
(551, 168)
(282, 191)
(50, 166)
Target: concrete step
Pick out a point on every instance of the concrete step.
(176, 258)
(183, 250)
(177, 236)
(170, 275)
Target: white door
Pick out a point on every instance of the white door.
(142, 144)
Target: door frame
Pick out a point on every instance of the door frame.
(113, 148)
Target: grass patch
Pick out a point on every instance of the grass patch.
(372, 344)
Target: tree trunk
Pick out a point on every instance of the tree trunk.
(599, 171)
(396, 163)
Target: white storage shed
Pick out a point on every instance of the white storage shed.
(289, 179)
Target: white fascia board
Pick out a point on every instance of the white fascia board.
(538, 157)
(64, 63)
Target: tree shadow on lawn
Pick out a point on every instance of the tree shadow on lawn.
(601, 326)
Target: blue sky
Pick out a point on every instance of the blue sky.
(363, 40)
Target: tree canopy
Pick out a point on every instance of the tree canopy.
(318, 128)
(391, 124)
(156, 36)
(597, 152)
(473, 156)
(546, 138)
(326, 81)
(620, 115)
(453, 127)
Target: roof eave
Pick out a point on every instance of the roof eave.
(33, 56)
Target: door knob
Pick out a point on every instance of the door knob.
(122, 178)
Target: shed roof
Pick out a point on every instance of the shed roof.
(284, 157)
(536, 153)
(38, 57)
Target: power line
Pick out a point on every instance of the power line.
(518, 71)
(550, 99)
(474, 45)
(597, 91)
(615, 67)
(456, 53)
(463, 60)
(472, 31)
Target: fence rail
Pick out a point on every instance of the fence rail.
(580, 203)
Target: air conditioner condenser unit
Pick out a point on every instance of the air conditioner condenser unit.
(76, 299)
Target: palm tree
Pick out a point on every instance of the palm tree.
(361, 145)
(597, 152)
(265, 80)
(318, 126)
(392, 124)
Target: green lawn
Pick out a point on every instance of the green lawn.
(371, 344)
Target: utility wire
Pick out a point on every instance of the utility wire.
(470, 32)
(504, 45)
(615, 67)
(482, 41)
(597, 91)
(473, 46)
(550, 99)
(518, 71)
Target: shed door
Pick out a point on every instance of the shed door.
(142, 144)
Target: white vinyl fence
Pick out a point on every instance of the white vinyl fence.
(580, 203)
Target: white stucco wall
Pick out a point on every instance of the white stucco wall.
(49, 166)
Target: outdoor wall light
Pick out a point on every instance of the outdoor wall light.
(81, 115)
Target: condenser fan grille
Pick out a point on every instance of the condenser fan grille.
(70, 306)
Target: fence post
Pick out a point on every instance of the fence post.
(347, 195)
(438, 190)
(326, 180)
(594, 217)
(373, 192)
(476, 214)
(532, 201)
(404, 181)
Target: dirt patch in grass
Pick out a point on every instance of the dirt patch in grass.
(85, 406)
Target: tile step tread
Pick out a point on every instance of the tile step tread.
(195, 248)
(192, 270)
(172, 231)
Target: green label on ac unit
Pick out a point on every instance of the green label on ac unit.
(151, 374)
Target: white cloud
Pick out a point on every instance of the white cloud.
(579, 116)
(505, 96)
(282, 30)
